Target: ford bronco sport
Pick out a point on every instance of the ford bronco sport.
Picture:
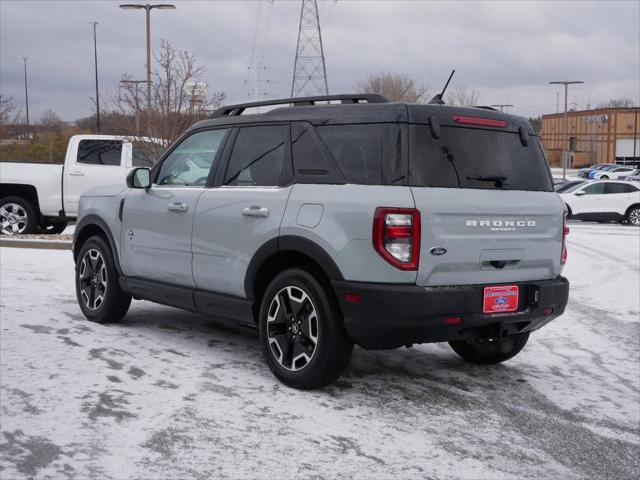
(338, 220)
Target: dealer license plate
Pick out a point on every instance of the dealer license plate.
(500, 299)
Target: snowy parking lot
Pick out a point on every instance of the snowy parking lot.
(167, 394)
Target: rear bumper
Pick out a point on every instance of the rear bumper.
(389, 316)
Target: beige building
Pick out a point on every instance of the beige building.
(604, 135)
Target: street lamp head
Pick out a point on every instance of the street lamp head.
(566, 82)
(138, 6)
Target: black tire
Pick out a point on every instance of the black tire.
(95, 254)
(327, 355)
(52, 228)
(633, 216)
(17, 215)
(604, 177)
(495, 351)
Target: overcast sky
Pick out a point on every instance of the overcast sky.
(508, 51)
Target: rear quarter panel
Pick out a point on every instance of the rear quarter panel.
(339, 218)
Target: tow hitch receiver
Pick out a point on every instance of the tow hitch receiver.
(491, 333)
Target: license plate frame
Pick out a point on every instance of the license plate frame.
(500, 299)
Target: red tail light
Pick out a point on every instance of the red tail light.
(565, 232)
(396, 236)
(484, 122)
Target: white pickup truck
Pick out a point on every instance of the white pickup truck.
(42, 198)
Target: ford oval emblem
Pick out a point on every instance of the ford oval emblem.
(437, 251)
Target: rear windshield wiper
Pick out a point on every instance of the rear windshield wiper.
(497, 179)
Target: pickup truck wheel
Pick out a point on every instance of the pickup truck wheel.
(301, 331)
(97, 288)
(53, 228)
(17, 216)
(487, 352)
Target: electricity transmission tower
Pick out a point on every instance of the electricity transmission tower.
(309, 71)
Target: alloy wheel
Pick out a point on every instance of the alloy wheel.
(93, 279)
(14, 219)
(634, 216)
(292, 328)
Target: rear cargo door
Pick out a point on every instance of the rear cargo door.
(488, 210)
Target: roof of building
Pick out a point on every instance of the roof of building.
(593, 111)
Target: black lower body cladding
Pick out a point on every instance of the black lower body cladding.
(382, 316)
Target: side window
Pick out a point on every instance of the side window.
(595, 189)
(259, 157)
(145, 154)
(619, 188)
(100, 152)
(311, 161)
(357, 149)
(190, 162)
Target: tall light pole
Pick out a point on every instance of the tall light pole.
(147, 8)
(135, 83)
(26, 91)
(565, 154)
(95, 58)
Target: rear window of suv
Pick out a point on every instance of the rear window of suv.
(466, 157)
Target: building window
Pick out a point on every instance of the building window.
(573, 144)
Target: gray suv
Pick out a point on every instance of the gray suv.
(334, 221)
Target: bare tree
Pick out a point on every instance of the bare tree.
(50, 122)
(6, 107)
(463, 96)
(617, 103)
(396, 87)
(175, 105)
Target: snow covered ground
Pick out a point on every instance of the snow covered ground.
(167, 394)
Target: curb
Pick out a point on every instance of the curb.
(41, 244)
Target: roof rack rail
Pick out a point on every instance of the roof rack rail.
(238, 109)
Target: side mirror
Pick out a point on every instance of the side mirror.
(580, 193)
(139, 178)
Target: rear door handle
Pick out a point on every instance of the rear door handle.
(256, 211)
(178, 207)
(77, 174)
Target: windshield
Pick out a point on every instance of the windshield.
(476, 158)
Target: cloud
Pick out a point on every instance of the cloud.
(509, 51)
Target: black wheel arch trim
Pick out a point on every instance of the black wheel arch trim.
(93, 220)
(289, 243)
